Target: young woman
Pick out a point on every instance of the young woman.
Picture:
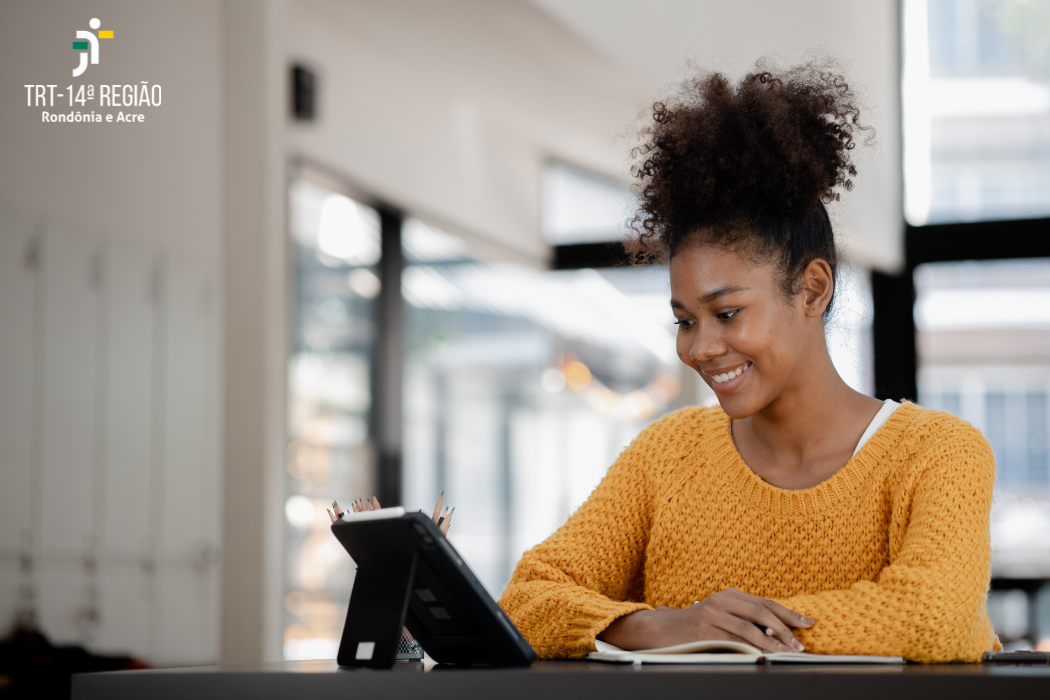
(798, 514)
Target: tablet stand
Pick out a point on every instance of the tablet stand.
(410, 576)
(377, 609)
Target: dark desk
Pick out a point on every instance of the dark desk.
(571, 680)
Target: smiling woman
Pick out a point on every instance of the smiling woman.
(798, 513)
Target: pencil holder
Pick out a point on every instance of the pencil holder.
(408, 649)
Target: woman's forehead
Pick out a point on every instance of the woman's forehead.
(707, 268)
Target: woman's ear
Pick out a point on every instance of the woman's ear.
(818, 286)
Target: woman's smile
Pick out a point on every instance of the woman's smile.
(727, 378)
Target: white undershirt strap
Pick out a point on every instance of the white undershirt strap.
(888, 407)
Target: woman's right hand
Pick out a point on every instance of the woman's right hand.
(729, 615)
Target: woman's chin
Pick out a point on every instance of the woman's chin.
(737, 406)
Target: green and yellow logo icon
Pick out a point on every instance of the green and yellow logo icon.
(89, 47)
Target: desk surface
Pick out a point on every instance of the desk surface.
(571, 680)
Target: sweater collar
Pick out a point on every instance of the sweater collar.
(842, 487)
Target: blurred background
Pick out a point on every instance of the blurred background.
(373, 247)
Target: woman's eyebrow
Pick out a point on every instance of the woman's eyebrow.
(712, 295)
(721, 292)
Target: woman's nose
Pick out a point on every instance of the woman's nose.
(706, 346)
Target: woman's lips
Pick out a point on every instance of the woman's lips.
(729, 377)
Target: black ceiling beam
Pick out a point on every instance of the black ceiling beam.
(582, 255)
(977, 240)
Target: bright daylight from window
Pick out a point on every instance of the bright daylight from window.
(976, 110)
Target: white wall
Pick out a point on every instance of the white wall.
(450, 109)
(654, 39)
(110, 308)
(155, 184)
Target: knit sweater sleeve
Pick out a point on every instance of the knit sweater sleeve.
(569, 588)
(928, 603)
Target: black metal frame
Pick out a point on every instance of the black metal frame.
(389, 356)
(896, 356)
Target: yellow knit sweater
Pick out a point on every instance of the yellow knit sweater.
(890, 555)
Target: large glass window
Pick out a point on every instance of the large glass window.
(983, 332)
(335, 246)
(580, 207)
(521, 387)
(976, 110)
(849, 328)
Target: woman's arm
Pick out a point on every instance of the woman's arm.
(590, 572)
(928, 603)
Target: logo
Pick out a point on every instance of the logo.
(140, 94)
(89, 47)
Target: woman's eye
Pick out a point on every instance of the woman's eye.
(683, 323)
(727, 315)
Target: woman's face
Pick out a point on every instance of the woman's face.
(738, 330)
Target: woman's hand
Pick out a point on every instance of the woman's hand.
(731, 614)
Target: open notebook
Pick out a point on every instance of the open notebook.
(719, 652)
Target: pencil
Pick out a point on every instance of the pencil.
(437, 507)
(448, 521)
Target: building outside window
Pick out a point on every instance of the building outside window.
(977, 149)
(983, 331)
(976, 110)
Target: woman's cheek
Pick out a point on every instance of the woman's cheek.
(684, 342)
(682, 346)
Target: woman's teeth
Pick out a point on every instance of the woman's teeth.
(726, 376)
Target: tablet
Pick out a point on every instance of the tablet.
(410, 574)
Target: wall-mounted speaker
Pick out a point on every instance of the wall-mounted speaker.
(304, 94)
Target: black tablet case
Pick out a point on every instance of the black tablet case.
(409, 574)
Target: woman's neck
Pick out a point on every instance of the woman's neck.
(809, 431)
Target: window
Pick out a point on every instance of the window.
(976, 110)
(579, 207)
(976, 130)
(848, 330)
(521, 388)
(335, 247)
(983, 332)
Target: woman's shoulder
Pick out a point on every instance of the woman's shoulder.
(683, 430)
(691, 420)
(681, 439)
(941, 439)
(927, 424)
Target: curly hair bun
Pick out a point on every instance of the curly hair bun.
(775, 146)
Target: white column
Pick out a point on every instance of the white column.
(255, 337)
